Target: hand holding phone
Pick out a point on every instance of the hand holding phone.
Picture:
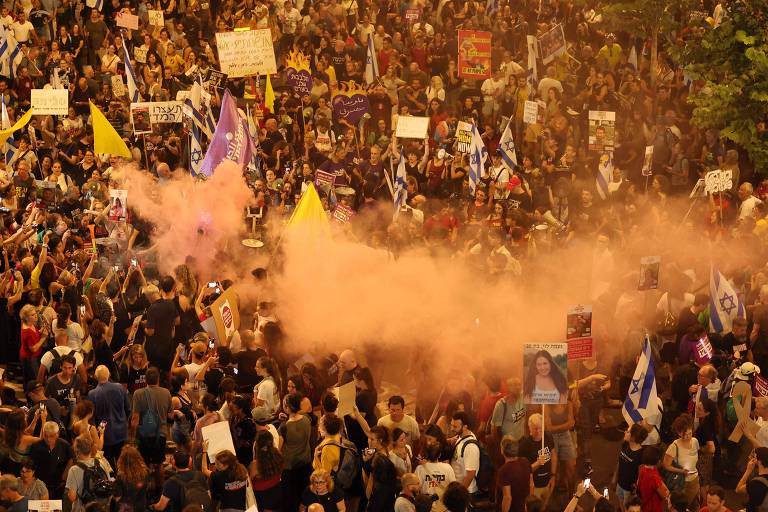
(587, 483)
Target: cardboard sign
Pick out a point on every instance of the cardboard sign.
(704, 351)
(161, 112)
(474, 54)
(463, 137)
(219, 439)
(346, 395)
(140, 118)
(531, 112)
(580, 348)
(412, 127)
(156, 18)
(545, 378)
(54, 102)
(140, 54)
(602, 131)
(127, 20)
(118, 204)
(649, 273)
(118, 87)
(246, 53)
(759, 387)
(552, 44)
(226, 314)
(718, 181)
(324, 179)
(343, 213)
(44, 505)
(647, 160)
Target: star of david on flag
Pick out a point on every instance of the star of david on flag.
(724, 303)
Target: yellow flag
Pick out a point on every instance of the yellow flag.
(269, 96)
(106, 140)
(21, 123)
(309, 213)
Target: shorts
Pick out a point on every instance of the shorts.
(564, 445)
(152, 449)
(622, 495)
(543, 493)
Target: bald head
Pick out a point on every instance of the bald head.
(347, 360)
(316, 507)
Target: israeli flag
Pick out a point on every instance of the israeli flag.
(507, 147)
(9, 149)
(478, 154)
(371, 63)
(724, 303)
(133, 89)
(401, 187)
(642, 400)
(604, 172)
(195, 151)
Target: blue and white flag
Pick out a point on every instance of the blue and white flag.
(371, 62)
(632, 59)
(133, 89)
(195, 151)
(193, 104)
(478, 154)
(492, 7)
(401, 188)
(604, 173)
(9, 149)
(11, 54)
(724, 303)
(507, 147)
(642, 401)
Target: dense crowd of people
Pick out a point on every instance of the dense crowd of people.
(111, 376)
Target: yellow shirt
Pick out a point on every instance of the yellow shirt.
(327, 457)
(175, 63)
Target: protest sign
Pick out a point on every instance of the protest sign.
(647, 160)
(127, 20)
(298, 74)
(463, 137)
(161, 112)
(226, 314)
(350, 102)
(140, 118)
(343, 213)
(54, 102)
(579, 323)
(474, 54)
(412, 127)
(346, 396)
(246, 53)
(324, 179)
(214, 79)
(649, 273)
(703, 351)
(140, 54)
(759, 387)
(546, 367)
(718, 181)
(219, 439)
(118, 87)
(156, 18)
(530, 112)
(118, 204)
(602, 131)
(580, 348)
(44, 505)
(412, 16)
(552, 44)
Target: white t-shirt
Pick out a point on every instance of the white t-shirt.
(192, 370)
(74, 332)
(21, 31)
(469, 462)
(407, 424)
(267, 390)
(47, 359)
(687, 458)
(435, 477)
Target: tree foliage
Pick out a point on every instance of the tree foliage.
(732, 62)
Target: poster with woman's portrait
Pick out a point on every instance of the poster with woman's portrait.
(545, 367)
(118, 200)
(649, 273)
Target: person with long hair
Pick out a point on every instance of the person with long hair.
(266, 472)
(312, 383)
(296, 434)
(184, 416)
(545, 381)
(267, 392)
(708, 417)
(228, 482)
(63, 322)
(82, 424)
(132, 479)
(243, 428)
(379, 473)
(133, 371)
(401, 454)
(294, 385)
(16, 444)
(32, 341)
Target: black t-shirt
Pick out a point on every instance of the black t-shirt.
(22, 190)
(246, 367)
(214, 376)
(50, 464)
(172, 489)
(161, 316)
(757, 489)
(629, 465)
(134, 378)
(228, 491)
(530, 449)
(685, 320)
(328, 500)
(63, 393)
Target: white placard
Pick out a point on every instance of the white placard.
(718, 181)
(531, 112)
(219, 439)
(53, 102)
(246, 53)
(463, 137)
(412, 127)
(346, 395)
(156, 18)
(118, 87)
(44, 505)
(127, 20)
(647, 160)
(163, 111)
(140, 54)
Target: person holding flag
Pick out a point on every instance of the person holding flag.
(371, 62)
(724, 303)
(642, 404)
(478, 155)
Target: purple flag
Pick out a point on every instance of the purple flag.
(230, 141)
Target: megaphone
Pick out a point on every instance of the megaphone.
(552, 220)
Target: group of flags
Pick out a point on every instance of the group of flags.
(11, 53)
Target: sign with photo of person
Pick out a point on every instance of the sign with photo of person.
(118, 204)
(140, 119)
(602, 131)
(552, 44)
(545, 373)
(474, 54)
(649, 273)
(578, 332)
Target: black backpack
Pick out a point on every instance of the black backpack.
(194, 492)
(56, 363)
(485, 472)
(96, 483)
(349, 464)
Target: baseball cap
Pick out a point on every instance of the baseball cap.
(746, 370)
(33, 386)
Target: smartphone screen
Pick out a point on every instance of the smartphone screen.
(587, 482)
(235, 370)
(103, 424)
(212, 284)
(211, 344)
(42, 406)
(134, 262)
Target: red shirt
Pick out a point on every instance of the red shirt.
(648, 482)
(29, 338)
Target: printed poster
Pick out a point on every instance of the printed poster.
(140, 118)
(343, 213)
(127, 20)
(531, 112)
(463, 137)
(226, 314)
(649, 273)
(118, 87)
(579, 322)
(647, 161)
(545, 367)
(118, 205)
(552, 44)
(474, 54)
(53, 102)
(246, 53)
(156, 18)
(602, 131)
